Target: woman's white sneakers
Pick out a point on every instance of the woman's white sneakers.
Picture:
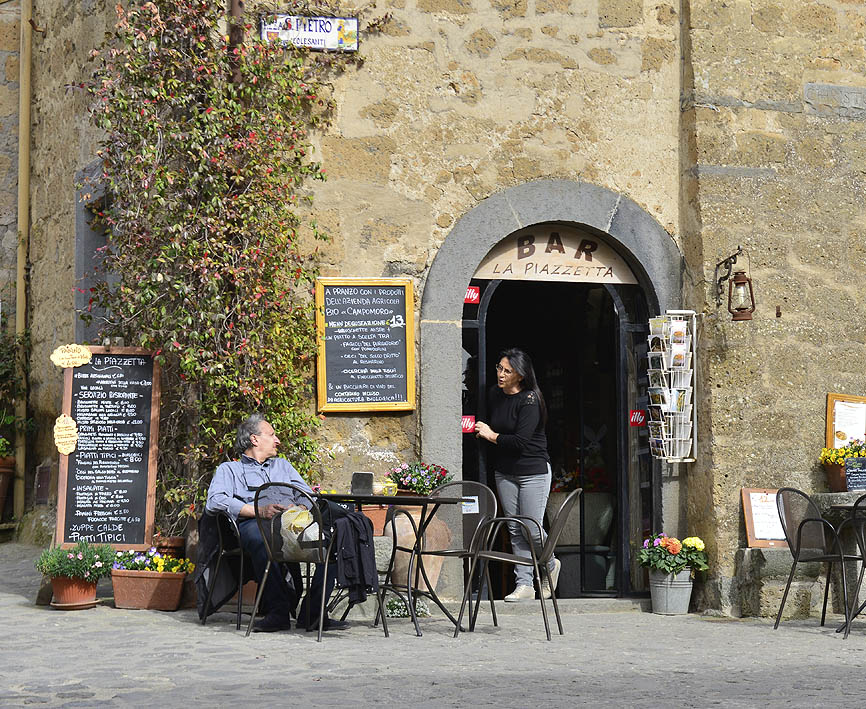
(554, 579)
(521, 593)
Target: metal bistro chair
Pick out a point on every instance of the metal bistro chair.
(316, 551)
(811, 538)
(539, 562)
(463, 523)
(229, 539)
(857, 521)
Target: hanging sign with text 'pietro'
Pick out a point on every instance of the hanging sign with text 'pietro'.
(554, 253)
(107, 437)
(366, 332)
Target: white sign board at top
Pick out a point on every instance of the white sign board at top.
(323, 33)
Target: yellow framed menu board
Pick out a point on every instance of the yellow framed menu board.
(846, 419)
(366, 336)
(763, 527)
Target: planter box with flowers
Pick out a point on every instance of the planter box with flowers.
(419, 478)
(671, 563)
(148, 580)
(74, 573)
(833, 460)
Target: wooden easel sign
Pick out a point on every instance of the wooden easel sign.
(763, 526)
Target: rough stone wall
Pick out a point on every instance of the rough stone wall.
(62, 144)
(776, 110)
(460, 99)
(9, 45)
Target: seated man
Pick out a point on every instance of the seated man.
(233, 490)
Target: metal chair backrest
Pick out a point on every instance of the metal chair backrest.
(558, 524)
(465, 519)
(795, 509)
(858, 522)
(316, 550)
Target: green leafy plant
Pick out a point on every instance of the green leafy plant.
(151, 560)
(205, 159)
(87, 561)
(398, 608)
(14, 355)
(669, 554)
(419, 477)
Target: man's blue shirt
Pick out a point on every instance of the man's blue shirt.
(235, 483)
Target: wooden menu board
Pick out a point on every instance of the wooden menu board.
(763, 527)
(846, 419)
(106, 486)
(366, 334)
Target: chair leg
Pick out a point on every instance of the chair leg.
(240, 592)
(210, 588)
(490, 596)
(322, 603)
(853, 614)
(380, 595)
(541, 598)
(827, 590)
(553, 598)
(466, 594)
(845, 599)
(259, 593)
(785, 594)
(482, 574)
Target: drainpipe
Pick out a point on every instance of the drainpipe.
(23, 238)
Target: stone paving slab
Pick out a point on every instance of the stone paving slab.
(110, 657)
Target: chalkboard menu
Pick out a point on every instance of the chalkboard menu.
(106, 486)
(366, 330)
(855, 473)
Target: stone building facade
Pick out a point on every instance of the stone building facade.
(671, 131)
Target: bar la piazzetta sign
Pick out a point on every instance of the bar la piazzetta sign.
(323, 33)
(554, 252)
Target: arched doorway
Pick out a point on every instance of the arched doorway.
(641, 243)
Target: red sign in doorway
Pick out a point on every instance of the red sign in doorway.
(637, 417)
(468, 425)
(473, 294)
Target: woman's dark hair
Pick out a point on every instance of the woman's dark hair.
(522, 364)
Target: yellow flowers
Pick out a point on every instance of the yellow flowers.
(855, 449)
(694, 543)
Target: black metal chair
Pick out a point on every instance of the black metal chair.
(857, 521)
(811, 538)
(229, 539)
(484, 554)
(314, 551)
(462, 522)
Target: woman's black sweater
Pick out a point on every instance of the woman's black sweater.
(521, 448)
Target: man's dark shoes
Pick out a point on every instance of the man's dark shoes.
(272, 623)
(330, 624)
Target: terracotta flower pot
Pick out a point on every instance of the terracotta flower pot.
(836, 477)
(170, 546)
(73, 593)
(376, 514)
(147, 590)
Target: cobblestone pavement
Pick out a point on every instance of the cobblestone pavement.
(110, 657)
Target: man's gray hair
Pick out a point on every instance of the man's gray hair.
(249, 427)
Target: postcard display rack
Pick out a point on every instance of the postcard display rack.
(671, 418)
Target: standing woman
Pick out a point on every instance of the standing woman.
(520, 460)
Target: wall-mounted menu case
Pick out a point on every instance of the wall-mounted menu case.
(671, 417)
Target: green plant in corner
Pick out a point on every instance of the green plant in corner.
(14, 357)
(206, 158)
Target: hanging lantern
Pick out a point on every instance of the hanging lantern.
(741, 298)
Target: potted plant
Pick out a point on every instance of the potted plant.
(419, 478)
(671, 563)
(12, 387)
(74, 573)
(833, 460)
(148, 580)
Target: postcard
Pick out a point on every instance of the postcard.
(656, 343)
(678, 357)
(678, 331)
(657, 378)
(657, 447)
(656, 360)
(659, 397)
(655, 414)
(657, 326)
(656, 429)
